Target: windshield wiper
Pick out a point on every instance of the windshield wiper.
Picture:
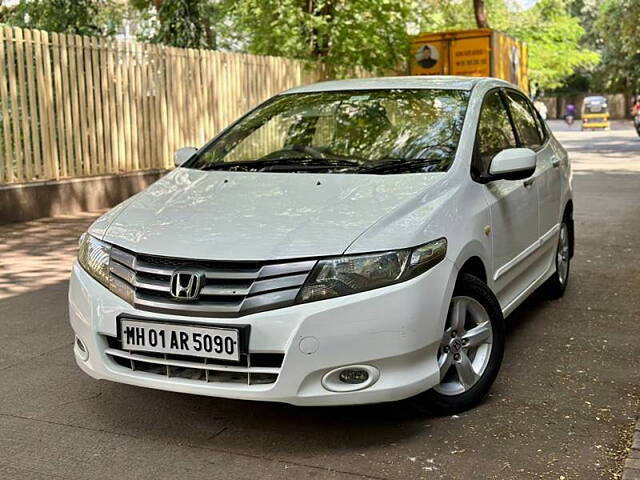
(284, 164)
(315, 164)
(400, 165)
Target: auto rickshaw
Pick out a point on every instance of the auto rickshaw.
(595, 113)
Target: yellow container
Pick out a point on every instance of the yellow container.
(475, 53)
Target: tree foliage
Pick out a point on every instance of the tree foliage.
(83, 17)
(554, 39)
(178, 23)
(618, 35)
(342, 34)
(371, 34)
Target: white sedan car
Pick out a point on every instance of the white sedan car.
(346, 242)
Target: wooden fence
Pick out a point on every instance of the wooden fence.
(72, 105)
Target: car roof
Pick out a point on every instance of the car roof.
(416, 82)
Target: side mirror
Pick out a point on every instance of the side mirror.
(513, 164)
(183, 154)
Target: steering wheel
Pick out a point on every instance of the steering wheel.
(308, 151)
(312, 152)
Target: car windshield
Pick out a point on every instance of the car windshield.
(375, 131)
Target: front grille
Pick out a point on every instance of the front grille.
(230, 289)
(253, 368)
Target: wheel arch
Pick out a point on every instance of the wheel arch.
(474, 259)
(474, 266)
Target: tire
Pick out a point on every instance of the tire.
(452, 396)
(556, 285)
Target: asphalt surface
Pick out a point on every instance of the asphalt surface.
(563, 406)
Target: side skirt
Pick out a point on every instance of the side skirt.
(529, 290)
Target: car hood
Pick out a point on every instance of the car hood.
(256, 216)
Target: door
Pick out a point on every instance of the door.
(532, 134)
(513, 204)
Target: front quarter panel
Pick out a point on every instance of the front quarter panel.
(454, 208)
(99, 228)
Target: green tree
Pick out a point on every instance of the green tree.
(180, 23)
(613, 32)
(342, 34)
(554, 39)
(619, 38)
(83, 17)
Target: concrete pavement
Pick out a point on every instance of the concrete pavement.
(563, 406)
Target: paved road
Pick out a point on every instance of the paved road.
(562, 407)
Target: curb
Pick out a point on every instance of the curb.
(631, 470)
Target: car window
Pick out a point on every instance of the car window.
(540, 124)
(495, 132)
(525, 124)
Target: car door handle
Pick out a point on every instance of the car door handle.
(528, 182)
(555, 161)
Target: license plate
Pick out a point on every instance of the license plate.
(210, 342)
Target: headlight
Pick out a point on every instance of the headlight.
(340, 276)
(93, 255)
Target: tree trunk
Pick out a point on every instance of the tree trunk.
(481, 14)
(320, 43)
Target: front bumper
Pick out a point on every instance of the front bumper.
(396, 329)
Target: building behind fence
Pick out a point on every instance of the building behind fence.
(73, 106)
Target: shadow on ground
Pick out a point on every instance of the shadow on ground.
(38, 253)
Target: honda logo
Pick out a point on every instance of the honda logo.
(186, 284)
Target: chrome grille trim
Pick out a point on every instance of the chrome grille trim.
(227, 290)
(286, 268)
(150, 284)
(231, 289)
(196, 309)
(123, 257)
(123, 272)
(277, 283)
(259, 303)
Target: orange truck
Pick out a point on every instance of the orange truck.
(481, 52)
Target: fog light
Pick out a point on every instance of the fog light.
(354, 375)
(81, 350)
(350, 378)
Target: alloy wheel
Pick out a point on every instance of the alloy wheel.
(562, 255)
(466, 346)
